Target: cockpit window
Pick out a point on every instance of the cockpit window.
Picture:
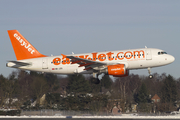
(161, 53)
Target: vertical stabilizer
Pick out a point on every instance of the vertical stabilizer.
(22, 48)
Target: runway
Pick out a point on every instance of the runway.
(90, 117)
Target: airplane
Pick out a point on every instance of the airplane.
(116, 63)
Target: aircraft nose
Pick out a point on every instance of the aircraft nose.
(171, 59)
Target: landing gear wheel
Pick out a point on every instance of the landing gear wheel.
(149, 71)
(150, 76)
(95, 81)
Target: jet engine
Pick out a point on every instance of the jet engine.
(118, 70)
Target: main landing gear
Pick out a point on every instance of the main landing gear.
(95, 79)
(149, 71)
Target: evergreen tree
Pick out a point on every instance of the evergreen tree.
(3, 84)
(78, 84)
(106, 81)
(142, 95)
(52, 81)
(169, 90)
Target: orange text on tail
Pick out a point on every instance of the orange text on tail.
(22, 48)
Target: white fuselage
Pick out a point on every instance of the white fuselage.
(132, 58)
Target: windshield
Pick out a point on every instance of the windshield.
(161, 53)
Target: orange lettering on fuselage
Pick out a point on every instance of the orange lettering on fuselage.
(94, 56)
(109, 56)
(65, 60)
(102, 57)
(56, 61)
(128, 56)
(139, 52)
(119, 57)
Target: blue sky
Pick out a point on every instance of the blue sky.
(81, 26)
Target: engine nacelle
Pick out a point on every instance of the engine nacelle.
(118, 70)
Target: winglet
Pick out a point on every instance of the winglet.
(22, 48)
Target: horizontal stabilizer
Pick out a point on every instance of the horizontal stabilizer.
(16, 64)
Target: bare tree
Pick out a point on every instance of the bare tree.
(125, 88)
(39, 87)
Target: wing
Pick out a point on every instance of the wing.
(88, 64)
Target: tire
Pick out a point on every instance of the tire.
(150, 76)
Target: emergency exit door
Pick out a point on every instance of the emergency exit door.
(44, 63)
(148, 55)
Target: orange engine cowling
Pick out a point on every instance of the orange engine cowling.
(118, 70)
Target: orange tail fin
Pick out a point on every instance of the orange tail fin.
(22, 48)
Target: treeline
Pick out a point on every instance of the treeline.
(25, 90)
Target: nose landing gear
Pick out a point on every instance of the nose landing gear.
(149, 71)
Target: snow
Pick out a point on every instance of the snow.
(130, 116)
